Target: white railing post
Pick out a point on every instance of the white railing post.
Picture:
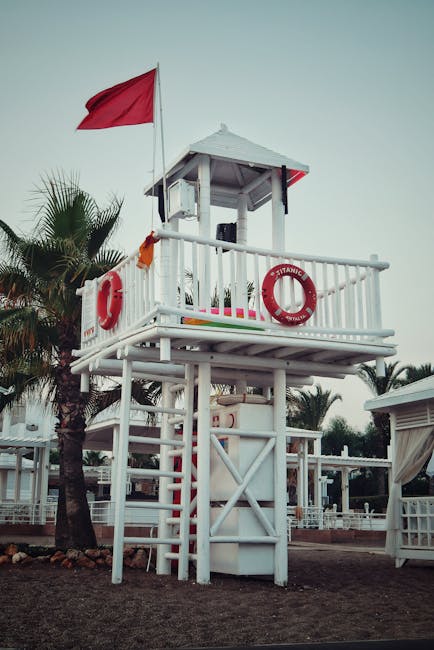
(280, 514)
(166, 465)
(165, 292)
(203, 474)
(204, 230)
(121, 478)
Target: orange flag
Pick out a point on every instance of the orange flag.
(146, 251)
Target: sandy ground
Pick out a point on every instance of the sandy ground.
(332, 595)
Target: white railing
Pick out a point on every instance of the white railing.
(417, 523)
(27, 513)
(313, 517)
(101, 512)
(176, 286)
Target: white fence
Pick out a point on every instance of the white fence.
(145, 513)
(417, 523)
(313, 517)
(190, 273)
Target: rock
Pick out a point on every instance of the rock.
(105, 552)
(18, 557)
(85, 562)
(11, 549)
(73, 554)
(27, 560)
(128, 551)
(58, 557)
(100, 561)
(128, 561)
(108, 560)
(139, 561)
(93, 553)
(42, 558)
(5, 559)
(67, 563)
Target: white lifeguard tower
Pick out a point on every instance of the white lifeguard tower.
(196, 316)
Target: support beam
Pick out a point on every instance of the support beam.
(164, 495)
(203, 470)
(280, 516)
(121, 478)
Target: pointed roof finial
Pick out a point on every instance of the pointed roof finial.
(223, 128)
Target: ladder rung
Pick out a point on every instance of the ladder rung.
(158, 409)
(176, 419)
(228, 539)
(153, 505)
(243, 432)
(155, 441)
(172, 520)
(174, 453)
(174, 487)
(155, 472)
(176, 387)
(175, 556)
(152, 540)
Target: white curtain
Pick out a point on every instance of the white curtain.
(412, 448)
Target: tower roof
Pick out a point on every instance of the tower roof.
(238, 166)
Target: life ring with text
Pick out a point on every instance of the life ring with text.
(109, 301)
(270, 302)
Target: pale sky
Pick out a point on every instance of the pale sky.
(345, 86)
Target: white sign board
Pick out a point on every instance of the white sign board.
(89, 323)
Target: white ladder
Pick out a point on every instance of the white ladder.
(169, 449)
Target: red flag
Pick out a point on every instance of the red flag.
(130, 102)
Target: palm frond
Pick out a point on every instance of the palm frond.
(102, 227)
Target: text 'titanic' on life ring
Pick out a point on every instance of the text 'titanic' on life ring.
(285, 317)
(109, 300)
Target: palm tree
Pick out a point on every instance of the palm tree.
(94, 458)
(40, 324)
(307, 409)
(379, 386)
(416, 373)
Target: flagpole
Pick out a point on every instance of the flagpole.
(162, 146)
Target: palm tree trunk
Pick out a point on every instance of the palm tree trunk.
(73, 524)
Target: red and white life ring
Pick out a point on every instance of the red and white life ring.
(109, 300)
(285, 317)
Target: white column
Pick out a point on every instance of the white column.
(278, 212)
(203, 471)
(306, 475)
(165, 496)
(184, 531)
(114, 463)
(345, 484)
(121, 479)
(18, 473)
(44, 470)
(317, 496)
(3, 484)
(165, 292)
(34, 485)
(242, 297)
(204, 230)
(300, 480)
(280, 513)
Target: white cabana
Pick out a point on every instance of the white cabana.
(410, 521)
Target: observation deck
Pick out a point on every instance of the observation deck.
(201, 298)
